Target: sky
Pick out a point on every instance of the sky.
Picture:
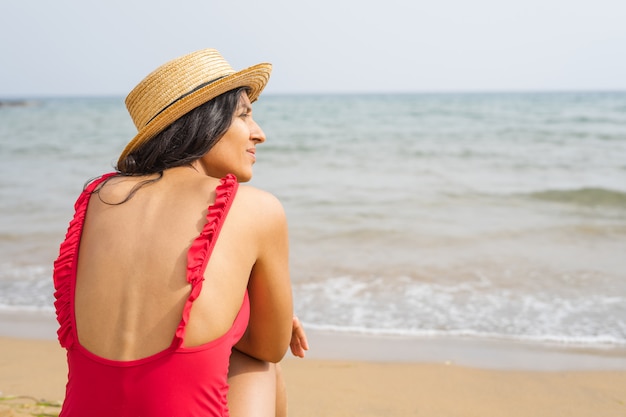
(92, 48)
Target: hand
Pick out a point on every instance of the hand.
(298, 344)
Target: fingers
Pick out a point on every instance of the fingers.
(298, 332)
(299, 343)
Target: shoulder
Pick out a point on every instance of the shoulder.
(261, 211)
(261, 216)
(259, 204)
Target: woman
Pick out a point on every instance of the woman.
(169, 266)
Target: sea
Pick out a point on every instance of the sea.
(482, 215)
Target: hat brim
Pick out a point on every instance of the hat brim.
(255, 78)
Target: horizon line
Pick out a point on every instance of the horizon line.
(25, 97)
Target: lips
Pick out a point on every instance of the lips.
(252, 152)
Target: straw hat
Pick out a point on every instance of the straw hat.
(181, 85)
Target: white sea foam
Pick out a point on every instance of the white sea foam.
(478, 308)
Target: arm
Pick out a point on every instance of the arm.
(271, 310)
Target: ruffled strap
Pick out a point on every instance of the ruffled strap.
(202, 247)
(65, 265)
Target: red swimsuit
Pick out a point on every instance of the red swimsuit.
(178, 381)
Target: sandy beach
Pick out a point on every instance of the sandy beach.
(35, 369)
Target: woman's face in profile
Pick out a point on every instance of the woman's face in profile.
(235, 152)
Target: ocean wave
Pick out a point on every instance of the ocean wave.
(522, 307)
(573, 310)
(25, 287)
(587, 196)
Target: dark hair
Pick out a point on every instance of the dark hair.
(185, 140)
(181, 143)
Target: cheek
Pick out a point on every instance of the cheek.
(239, 131)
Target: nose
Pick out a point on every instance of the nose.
(256, 133)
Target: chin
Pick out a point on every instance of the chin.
(243, 177)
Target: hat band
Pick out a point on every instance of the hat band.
(183, 96)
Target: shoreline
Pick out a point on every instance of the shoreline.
(448, 350)
(464, 351)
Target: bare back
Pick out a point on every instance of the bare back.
(131, 279)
